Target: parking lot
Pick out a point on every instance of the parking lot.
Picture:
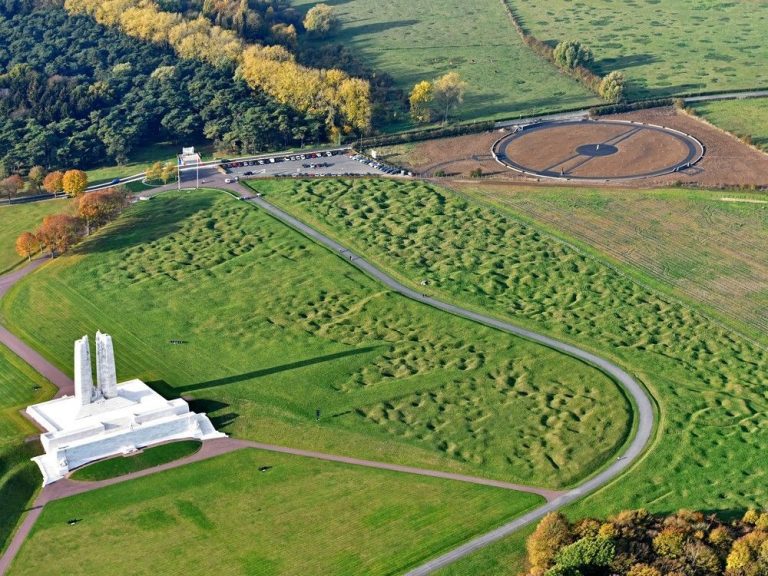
(329, 163)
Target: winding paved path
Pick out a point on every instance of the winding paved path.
(555, 500)
(643, 405)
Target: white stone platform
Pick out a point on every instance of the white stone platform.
(110, 419)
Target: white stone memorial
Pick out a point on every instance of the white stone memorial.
(110, 418)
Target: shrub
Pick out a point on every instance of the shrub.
(476, 173)
(612, 87)
(572, 53)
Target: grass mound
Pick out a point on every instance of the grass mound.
(147, 458)
(709, 381)
(275, 328)
(300, 516)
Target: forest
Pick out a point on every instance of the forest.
(74, 93)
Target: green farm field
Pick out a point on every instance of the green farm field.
(709, 381)
(743, 118)
(18, 218)
(690, 243)
(415, 41)
(664, 47)
(301, 516)
(275, 328)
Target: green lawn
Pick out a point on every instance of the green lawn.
(224, 516)
(664, 47)
(671, 238)
(276, 328)
(19, 478)
(414, 41)
(740, 117)
(147, 458)
(18, 218)
(709, 381)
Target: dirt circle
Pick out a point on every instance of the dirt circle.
(597, 150)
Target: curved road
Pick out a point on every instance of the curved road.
(644, 408)
(643, 405)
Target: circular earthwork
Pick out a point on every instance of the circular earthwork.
(597, 150)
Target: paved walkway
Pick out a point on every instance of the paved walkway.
(67, 487)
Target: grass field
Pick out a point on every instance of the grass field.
(147, 458)
(709, 381)
(664, 47)
(276, 328)
(302, 516)
(414, 42)
(739, 117)
(703, 248)
(18, 218)
(19, 478)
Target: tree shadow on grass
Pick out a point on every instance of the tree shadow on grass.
(145, 222)
(377, 27)
(167, 391)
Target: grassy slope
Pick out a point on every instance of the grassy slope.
(147, 458)
(709, 382)
(414, 41)
(276, 327)
(665, 47)
(19, 218)
(740, 117)
(704, 249)
(19, 478)
(302, 516)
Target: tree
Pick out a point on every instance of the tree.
(167, 172)
(641, 569)
(11, 185)
(421, 99)
(612, 87)
(552, 533)
(27, 245)
(321, 21)
(448, 93)
(587, 552)
(53, 182)
(74, 182)
(36, 176)
(154, 172)
(58, 232)
(572, 53)
(98, 208)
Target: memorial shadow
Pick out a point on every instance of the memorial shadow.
(171, 392)
(146, 222)
(274, 370)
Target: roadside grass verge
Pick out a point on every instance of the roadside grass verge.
(745, 119)
(300, 516)
(708, 380)
(274, 328)
(147, 458)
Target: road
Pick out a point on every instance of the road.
(644, 411)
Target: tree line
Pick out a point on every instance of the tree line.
(637, 543)
(74, 93)
(341, 101)
(59, 232)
